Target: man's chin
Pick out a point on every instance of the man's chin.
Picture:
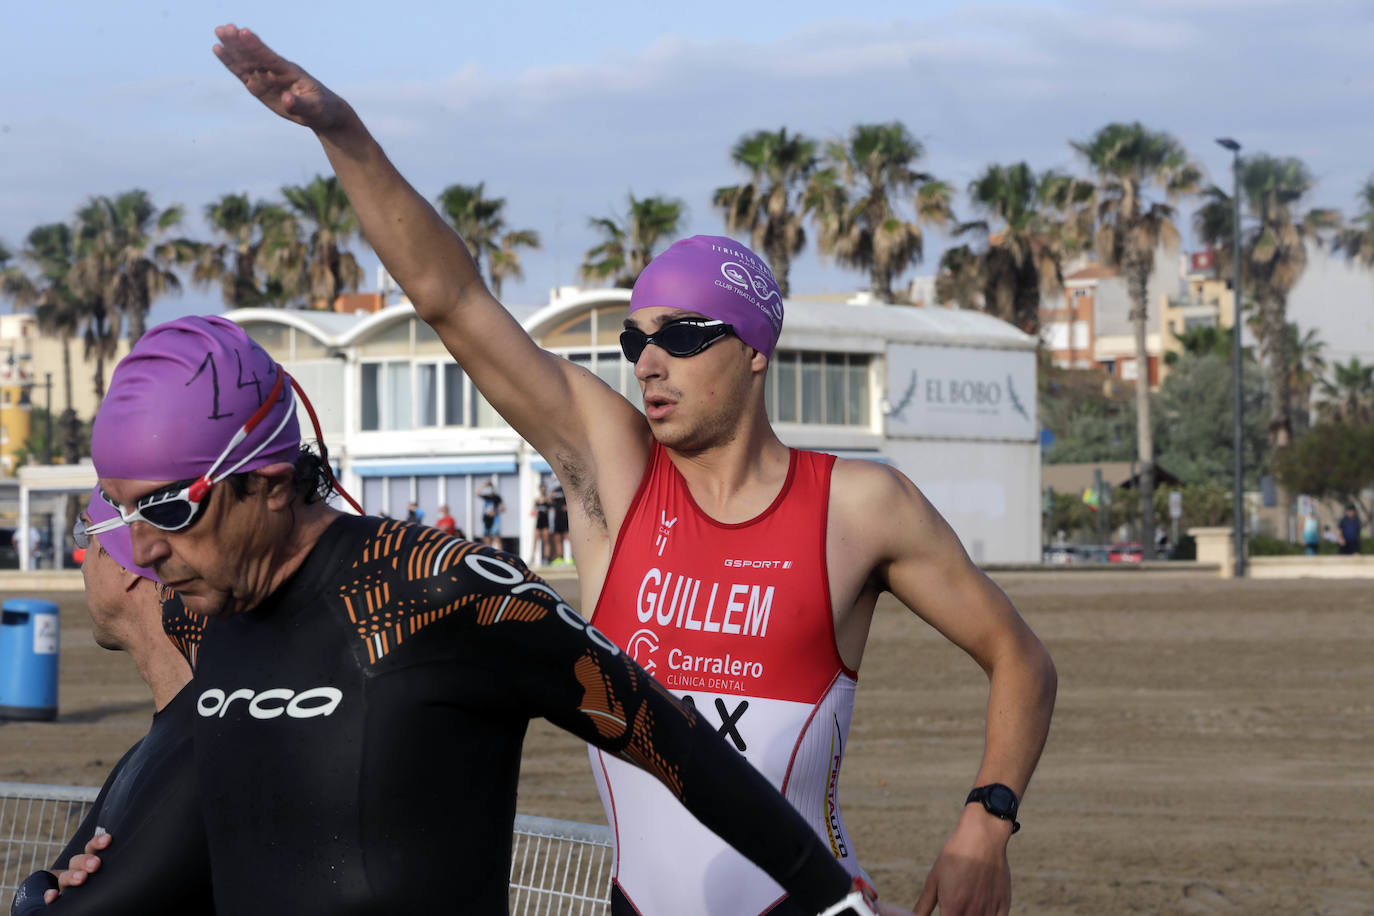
(207, 604)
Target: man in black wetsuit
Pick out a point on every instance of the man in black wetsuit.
(363, 686)
(153, 854)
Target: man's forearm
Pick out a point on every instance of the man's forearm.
(421, 251)
(1020, 704)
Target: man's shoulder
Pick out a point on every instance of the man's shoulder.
(865, 484)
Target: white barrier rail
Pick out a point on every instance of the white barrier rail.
(561, 867)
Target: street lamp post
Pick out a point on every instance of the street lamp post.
(47, 441)
(1238, 535)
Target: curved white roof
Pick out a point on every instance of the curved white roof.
(827, 323)
(326, 327)
(810, 323)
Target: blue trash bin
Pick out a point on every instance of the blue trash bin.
(28, 659)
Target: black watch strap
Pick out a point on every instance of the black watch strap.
(999, 801)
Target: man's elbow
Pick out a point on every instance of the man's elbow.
(1041, 671)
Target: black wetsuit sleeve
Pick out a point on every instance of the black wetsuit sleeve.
(29, 898)
(574, 676)
(157, 861)
(84, 833)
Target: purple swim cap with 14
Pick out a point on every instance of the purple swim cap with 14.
(180, 396)
(717, 277)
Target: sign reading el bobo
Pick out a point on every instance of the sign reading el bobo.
(960, 393)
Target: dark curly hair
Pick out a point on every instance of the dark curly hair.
(311, 477)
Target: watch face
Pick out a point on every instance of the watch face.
(1001, 800)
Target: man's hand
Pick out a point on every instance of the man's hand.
(971, 876)
(80, 866)
(278, 83)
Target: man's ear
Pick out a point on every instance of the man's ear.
(129, 580)
(277, 483)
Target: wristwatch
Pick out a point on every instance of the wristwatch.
(999, 801)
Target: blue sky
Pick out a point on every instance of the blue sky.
(565, 108)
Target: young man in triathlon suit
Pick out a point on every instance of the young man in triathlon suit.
(784, 553)
(363, 686)
(154, 855)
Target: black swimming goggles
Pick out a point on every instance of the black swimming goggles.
(684, 337)
(177, 506)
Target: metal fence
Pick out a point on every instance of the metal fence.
(557, 867)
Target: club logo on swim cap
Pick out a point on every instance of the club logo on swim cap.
(180, 396)
(717, 277)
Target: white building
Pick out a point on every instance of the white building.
(946, 396)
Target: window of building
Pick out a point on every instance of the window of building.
(426, 394)
(592, 340)
(455, 407)
(1056, 335)
(305, 346)
(575, 332)
(370, 396)
(414, 394)
(1080, 335)
(392, 340)
(427, 342)
(825, 388)
(397, 401)
(273, 337)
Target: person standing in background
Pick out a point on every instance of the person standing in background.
(1311, 533)
(560, 524)
(543, 540)
(1349, 531)
(445, 522)
(492, 508)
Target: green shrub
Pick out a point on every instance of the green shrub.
(1185, 549)
(1263, 546)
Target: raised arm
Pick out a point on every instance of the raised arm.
(553, 404)
(920, 560)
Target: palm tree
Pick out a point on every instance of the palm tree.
(315, 263)
(767, 206)
(1030, 224)
(1349, 393)
(50, 251)
(852, 200)
(628, 244)
(481, 224)
(125, 256)
(249, 231)
(1273, 257)
(1305, 367)
(1129, 161)
(504, 263)
(1356, 240)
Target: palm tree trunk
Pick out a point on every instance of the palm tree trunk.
(881, 281)
(138, 323)
(1280, 400)
(1145, 449)
(781, 265)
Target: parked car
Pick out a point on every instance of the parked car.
(1060, 554)
(1126, 552)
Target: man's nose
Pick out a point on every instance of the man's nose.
(652, 363)
(149, 544)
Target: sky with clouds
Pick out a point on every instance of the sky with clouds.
(564, 109)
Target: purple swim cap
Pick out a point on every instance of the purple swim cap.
(118, 542)
(717, 277)
(177, 400)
